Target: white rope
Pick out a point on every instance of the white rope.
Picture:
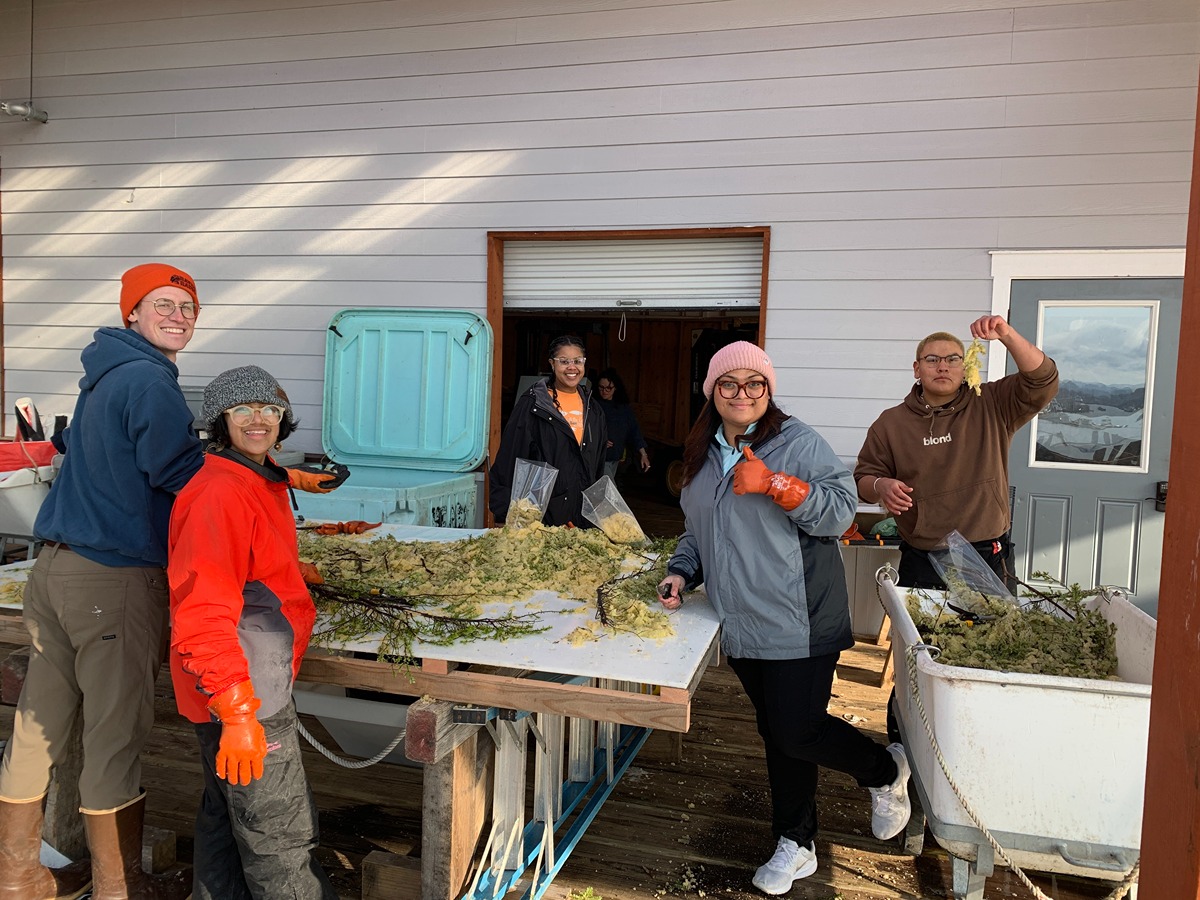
(342, 760)
(1121, 890)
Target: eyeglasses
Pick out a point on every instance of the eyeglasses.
(953, 360)
(730, 389)
(244, 415)
(563, 361)
(165, 307)
(607, 387)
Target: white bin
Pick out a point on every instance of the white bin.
(21, 496)
(1054, 766)
(361, 727)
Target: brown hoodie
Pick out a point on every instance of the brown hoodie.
(955, 457)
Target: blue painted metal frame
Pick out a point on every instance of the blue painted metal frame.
(596, 790)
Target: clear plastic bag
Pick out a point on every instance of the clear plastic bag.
(966, 573)
(532, 485)
(605, 508)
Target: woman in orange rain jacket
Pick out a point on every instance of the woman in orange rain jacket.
(241, 618)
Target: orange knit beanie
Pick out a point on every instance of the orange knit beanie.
(141, 280)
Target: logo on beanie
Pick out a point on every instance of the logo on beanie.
(185, 283)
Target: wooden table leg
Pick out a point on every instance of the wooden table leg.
(455, 801)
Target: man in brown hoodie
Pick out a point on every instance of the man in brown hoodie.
(938, 462)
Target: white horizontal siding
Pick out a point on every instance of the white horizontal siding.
(997, 170)
(299, 156)
(834, 178)
(355, 147)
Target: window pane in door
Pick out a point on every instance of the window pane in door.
(1105, 356)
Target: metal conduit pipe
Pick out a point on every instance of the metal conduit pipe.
(26, 111)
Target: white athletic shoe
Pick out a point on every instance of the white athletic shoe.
(890, 806)
(790, 862)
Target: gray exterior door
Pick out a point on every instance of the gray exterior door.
(1086, 470)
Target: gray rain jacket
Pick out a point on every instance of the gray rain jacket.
(775, 577)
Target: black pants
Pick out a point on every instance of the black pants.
(256, 842)
(790, 697)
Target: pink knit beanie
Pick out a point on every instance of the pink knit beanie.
(739, 355)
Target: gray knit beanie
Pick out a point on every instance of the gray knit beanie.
(247, 384)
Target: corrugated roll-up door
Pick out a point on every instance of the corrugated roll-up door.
(633, 274)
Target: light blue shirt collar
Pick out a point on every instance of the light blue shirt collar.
(730, 455)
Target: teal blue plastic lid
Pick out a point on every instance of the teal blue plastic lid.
(407, 388)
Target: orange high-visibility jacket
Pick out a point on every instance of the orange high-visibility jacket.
(239, 606)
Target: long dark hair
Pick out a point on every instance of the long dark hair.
(566, 340)
(695, 447)
(620, 393)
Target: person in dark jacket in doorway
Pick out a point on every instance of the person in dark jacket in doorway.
(764, 500)
(624, 433)
(558, 422)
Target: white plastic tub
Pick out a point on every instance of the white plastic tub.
(436, 499)
(1054, 766)
(21, 496)
(361, 727)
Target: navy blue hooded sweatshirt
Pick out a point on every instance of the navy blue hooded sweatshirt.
(130, 449)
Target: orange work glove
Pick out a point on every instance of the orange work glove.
(310, 574)
(751, 476)
(243, 744)
(852, 533)
(312, 482)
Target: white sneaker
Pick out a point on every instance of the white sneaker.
(890, 806)
(791, 861)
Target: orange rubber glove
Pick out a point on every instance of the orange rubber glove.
(243, 744)
(310, 573)
(312, 482)
(751, 476)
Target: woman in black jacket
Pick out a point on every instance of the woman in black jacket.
(624, 433)
(557, 421)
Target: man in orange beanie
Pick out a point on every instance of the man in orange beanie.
(96, 603)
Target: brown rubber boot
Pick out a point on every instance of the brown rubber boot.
(115, 839)
(22, 876)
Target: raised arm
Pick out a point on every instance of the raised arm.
(995, 328)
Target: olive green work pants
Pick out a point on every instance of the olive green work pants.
(99, 636)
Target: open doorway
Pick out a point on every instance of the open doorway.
(662, 360)
(660, 344)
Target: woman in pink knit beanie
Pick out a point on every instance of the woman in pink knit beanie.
(765, 499)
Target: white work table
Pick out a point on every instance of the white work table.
(668, 662)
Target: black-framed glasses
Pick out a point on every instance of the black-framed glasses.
(244, 415)
(165, 307)
(953, 360)
(729, 389)
(606, 387)
(564, 361)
